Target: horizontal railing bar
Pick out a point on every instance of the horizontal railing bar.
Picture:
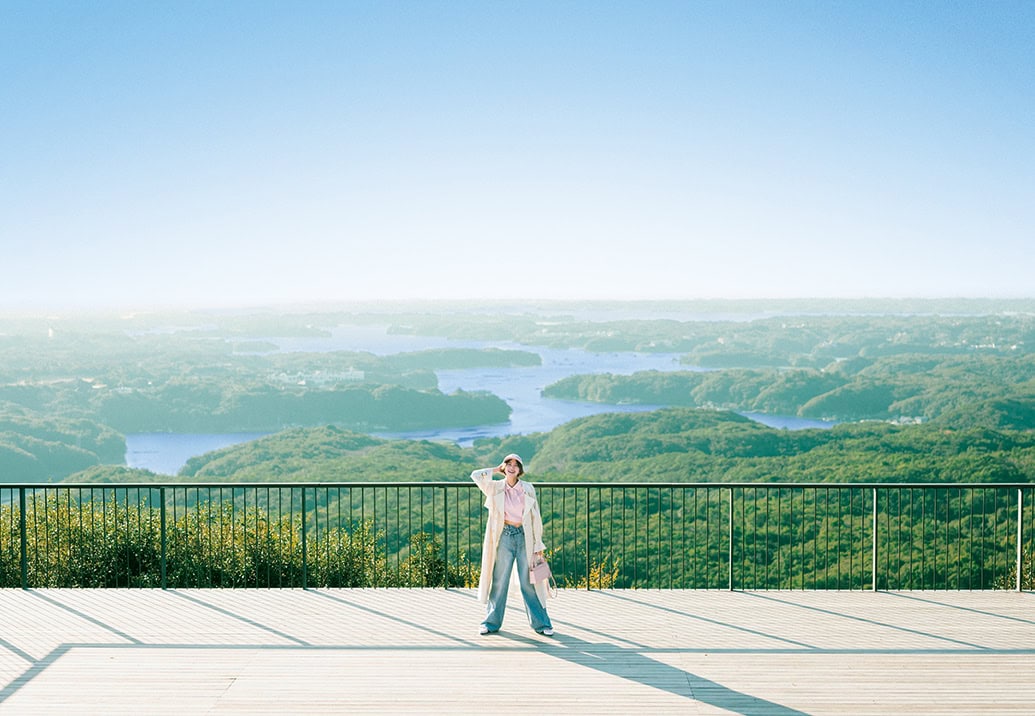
(566, 485)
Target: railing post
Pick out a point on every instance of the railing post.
(589, 567)
(305, 555)
(731, 540)
(1020, 535)
(161, 511)
(24, 538)
(445, 536)
(873, 569)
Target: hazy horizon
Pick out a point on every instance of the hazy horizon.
(236, 154)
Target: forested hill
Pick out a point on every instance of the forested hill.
(858, 368)
(670, 445)
(915, 389)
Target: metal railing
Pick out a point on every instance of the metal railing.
(672, 535)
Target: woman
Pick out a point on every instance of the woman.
(513, 534)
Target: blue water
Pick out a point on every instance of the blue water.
(166, 453)
(521, 387)
(789, 422)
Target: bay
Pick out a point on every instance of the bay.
(789, 422)
(167, 453)
(521, 387)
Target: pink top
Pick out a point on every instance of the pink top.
(513, 503)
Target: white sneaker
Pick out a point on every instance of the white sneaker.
(547, 632)
(483, 630)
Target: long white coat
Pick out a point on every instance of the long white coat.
(532, 521)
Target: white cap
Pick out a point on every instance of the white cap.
(514, 456)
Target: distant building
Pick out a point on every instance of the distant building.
(320, 377)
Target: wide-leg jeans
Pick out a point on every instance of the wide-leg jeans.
(511, 551)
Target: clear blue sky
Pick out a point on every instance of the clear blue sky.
(240, 153)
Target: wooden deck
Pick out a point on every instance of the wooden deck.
(418, 651)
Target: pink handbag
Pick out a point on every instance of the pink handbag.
(540, 572)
